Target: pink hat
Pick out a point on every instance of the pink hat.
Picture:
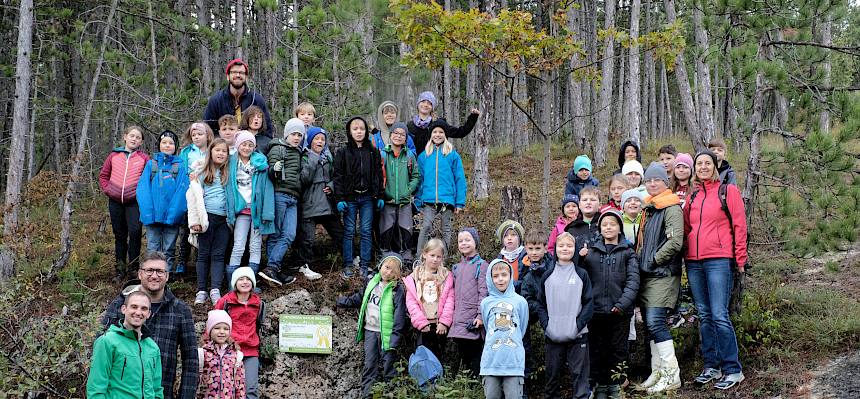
(684, 158)
(242, 137)
(217, 317)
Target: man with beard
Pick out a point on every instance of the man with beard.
(170, 324)
(235, 99)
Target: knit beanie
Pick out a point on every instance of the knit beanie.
(685, 159)
(393, 256)
(510, 225)
(313, 131)
(568, 198)
(237, 61)
(400, 125)
(243, 272)
(427, 96)
(168, 133)
(216, 317)
(581, 162)
(473, 233)
(656, 171)
(294, 125)
(631, 193)
(632, 166)
(244, 136)
(612, 214)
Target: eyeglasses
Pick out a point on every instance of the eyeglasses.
(157, 272)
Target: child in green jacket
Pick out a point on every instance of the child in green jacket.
(401, 176)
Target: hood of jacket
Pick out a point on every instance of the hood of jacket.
(380, 121)
(350, 142)
(624, 147)
(491, 287)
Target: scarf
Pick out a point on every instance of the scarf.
(512, 256)
(422, 123)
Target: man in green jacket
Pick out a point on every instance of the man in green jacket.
(126, 362)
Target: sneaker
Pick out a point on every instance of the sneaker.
(214, 295)
(708, 375)
(346, 274)
(271, 276)
(286, 278)
(729, 381)
(200, 298)
(309, 274)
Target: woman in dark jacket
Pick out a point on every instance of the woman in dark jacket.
(716, 247)
(419, 126)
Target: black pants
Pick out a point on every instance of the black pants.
(607, 340)
(470, 354)
(373, 353)
(304, 247)
(210, 254)
(183, 246)
(434, 342)
(575, 355)
(127, 232)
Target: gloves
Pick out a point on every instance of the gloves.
(380, 204)
(341, 206)
(278, 166)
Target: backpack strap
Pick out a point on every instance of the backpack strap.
(722, 192)
(200, 356)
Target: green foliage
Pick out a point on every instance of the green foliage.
(403, 386)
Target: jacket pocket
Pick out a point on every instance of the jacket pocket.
(122, 373)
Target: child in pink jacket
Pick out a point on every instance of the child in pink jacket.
(569, 213)
(430, 297)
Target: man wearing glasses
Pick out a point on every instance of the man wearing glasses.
(171, 324)
(235, 99)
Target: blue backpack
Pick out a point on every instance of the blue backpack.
(424, 367)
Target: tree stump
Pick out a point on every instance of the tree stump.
(512, 204)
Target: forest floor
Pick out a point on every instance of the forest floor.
(799, 330)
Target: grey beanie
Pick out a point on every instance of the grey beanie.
(294, 125)
(631, 193)
(656, 171)
(400, 125)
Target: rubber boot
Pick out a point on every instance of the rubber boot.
(655, 367)
(670, 373)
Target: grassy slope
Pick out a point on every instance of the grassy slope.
(796, 320)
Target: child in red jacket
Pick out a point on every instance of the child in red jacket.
(246, 309)
(118, 180)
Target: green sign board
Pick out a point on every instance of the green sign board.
(304, 334)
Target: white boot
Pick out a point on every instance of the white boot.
(655, 369)
(670, 373)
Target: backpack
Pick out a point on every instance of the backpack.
(260, 314)
(424, 367)
(174, 170)
(384, 156)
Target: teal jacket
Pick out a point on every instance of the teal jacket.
(124, 367)
(263, 198)
(401, 176)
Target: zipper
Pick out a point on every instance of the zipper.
(142, 371)
(124, 176)
(437, 149)
(701, 212)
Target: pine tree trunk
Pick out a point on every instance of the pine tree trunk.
(294, 59)
(684, 91)
(203, 47)
(239, 31)
(66, 215)
(153, 55)
(575, 91)
(605, 107)
(826, 39)
(668, 127)
(184, 45)
(481, 167)
(633, 91)
(706, 107)
(512, 204)
(19, 133)
(31, 135)
(618, 122)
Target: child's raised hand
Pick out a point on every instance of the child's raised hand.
(584, 250)
(475, 111)
(441, 329)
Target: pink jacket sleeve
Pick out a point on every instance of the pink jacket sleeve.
(550, 244)
(104, 174)
(447, 302)
(413, 306)
(739, 223)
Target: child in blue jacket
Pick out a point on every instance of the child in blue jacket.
(161, 197)
(506, 316)
(442, 186)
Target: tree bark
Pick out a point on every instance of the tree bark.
(481, 167)
(66, 216)
(19, 133)
(512, 204)
(239, 32)
(294, 59)
(605, 107)
(152, 54)
(633, 92)
(205, 61)
(826, 39)
(575, 91)
(667, 127)
(618, 124)
(684, 91)
(706, 107)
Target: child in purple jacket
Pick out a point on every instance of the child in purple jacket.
(470, 287)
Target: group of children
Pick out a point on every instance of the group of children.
(581, 283)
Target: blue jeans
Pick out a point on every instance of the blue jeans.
(362, 207)
(711, 282)
(286, 214)
(162, 238)
(655, 319)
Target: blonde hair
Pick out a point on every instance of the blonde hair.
(432, 245)
(393, 261)
(420, 274)
(564, 235)
(186, 138)
(210, 170)
(304, 107)
(446, 145)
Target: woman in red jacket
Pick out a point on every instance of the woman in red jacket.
(716, 243)
(118, 180)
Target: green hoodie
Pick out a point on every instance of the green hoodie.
(401, 175)
(124, 367)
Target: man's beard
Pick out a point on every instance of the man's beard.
(233, 85)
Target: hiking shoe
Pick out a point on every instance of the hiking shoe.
(286, 278)
(214, 295)
(346, 274)
(309, 274)
(201, 298)
(729, 381)
(271, 276)
(708, 375)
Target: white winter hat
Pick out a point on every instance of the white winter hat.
(632, 166)
(244, 271)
